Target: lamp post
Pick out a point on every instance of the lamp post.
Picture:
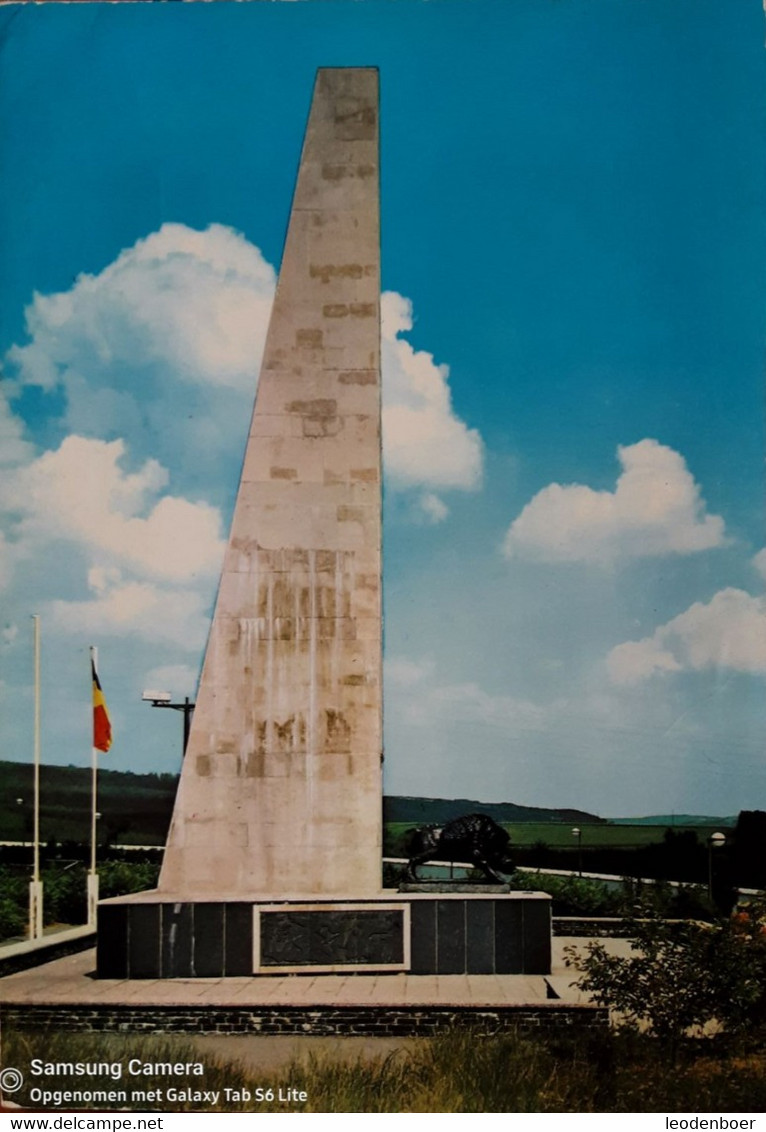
(577, 832)
(163, 700)
(715, 841)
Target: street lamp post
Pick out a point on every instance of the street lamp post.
(163, 700)
(715, 841)
(577, 832)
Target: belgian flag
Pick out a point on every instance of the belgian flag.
(102, 725)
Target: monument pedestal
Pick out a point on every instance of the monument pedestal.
(151, 936)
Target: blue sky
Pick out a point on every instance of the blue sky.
(573, 253)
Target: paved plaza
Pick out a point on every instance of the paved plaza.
(71, 981)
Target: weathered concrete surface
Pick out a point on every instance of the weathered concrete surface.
(69, 982)
(281, 785)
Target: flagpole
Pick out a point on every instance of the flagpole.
(94, 792)
(36, 888)
(92, 874)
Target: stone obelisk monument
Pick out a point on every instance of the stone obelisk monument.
(273, 860)
(280, 791)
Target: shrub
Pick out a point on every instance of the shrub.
(65, 891)
(14, 904)
(572, 896)
(581, 896)
(64, 895)
(118, 878)
(13, 920)
(681, 974)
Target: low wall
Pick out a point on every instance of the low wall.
(375, 1021)
(32, 953)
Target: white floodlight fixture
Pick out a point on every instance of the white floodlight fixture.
(156, 697)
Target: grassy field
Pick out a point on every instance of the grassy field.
(559, 835)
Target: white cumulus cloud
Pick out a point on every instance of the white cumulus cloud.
(161, 348)
(80, 493)
(425, 444)
(164, 345)
(729, 631)
(656, 508)
(198, 302)
(14, 448)
(151, 612)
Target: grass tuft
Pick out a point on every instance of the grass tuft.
(462, 1071)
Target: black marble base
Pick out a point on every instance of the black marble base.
(329, 938)
(420, 932)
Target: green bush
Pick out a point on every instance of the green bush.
(13, 919)
(64, 895)
(14, 903)
(118, 878)
(572, 896)
(65, 892)
(681, 975)
(581, 896)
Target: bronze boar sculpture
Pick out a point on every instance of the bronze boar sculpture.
(473, 838)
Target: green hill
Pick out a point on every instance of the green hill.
(135, 808)
(672, 821)
(422, 811)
